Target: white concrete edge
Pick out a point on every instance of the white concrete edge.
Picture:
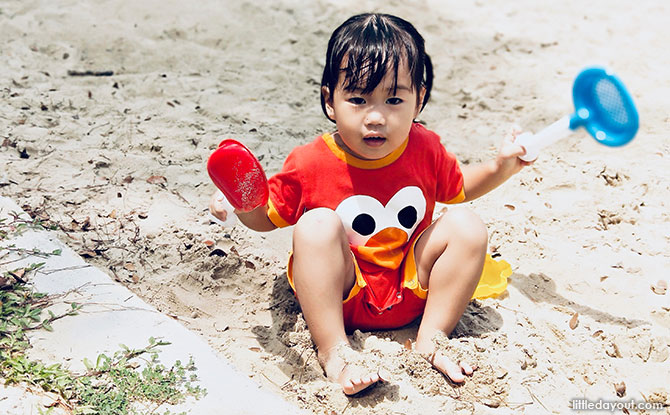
(113, 315)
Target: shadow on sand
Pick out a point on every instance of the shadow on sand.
(540, 288)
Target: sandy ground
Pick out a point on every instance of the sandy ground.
(117, 163)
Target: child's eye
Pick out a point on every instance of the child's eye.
(356, 100)
(394, 101)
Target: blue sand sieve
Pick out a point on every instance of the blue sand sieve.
(603, 107)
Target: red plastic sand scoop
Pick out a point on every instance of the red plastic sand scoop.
(239, 175)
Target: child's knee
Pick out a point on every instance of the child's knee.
(467, 227)
(318, 226)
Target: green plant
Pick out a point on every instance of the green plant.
(18, 224)
(130, 382)
(117, 384)
(22, 310)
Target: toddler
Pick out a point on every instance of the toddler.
(366, 253)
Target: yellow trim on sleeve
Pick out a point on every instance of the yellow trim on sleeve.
(274, 216)
(458, 199)
(362, 163)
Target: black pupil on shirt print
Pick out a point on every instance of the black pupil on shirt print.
(364, 224)
(407, 216)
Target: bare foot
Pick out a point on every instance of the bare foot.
(347, 367)
(454, 371)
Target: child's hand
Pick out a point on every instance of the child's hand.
(508, 159)
(221, 211)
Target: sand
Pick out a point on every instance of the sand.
(117, 164)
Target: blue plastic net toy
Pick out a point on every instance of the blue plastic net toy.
(603, 107)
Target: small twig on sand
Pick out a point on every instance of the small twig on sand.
(97, 126)
(90, 73)
(15, 260)
(51, 271)
(535, 398)
(159, 404)
(304, 366)
(517, 405)
(176, 193)
(270, 380)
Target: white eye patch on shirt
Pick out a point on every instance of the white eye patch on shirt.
(364, 216)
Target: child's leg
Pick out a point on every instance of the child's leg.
(449, 256)
(323, 274)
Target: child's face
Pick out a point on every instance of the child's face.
(371, 126)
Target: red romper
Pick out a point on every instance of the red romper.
(384, 206)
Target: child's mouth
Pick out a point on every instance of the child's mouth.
(374, 141)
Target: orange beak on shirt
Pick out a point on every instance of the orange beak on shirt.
(384, 248)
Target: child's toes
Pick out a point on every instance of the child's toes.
(369, 379)
(353, 385)
(348, 368)
(466, 368)
(448, 367)
(384, 375)
(348, 387)
(455, 374)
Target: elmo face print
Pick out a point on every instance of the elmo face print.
(365, 218)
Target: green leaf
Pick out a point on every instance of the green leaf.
(102, 363)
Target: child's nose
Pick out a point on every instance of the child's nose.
(374, 117)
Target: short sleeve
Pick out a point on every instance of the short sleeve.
(449, 177)
(285, 204)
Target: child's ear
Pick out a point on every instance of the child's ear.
(328, 100)
(422, 95)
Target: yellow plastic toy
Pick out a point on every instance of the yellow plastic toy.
(493, 281)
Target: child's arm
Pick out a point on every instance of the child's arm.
(481, 178)
(256, 219)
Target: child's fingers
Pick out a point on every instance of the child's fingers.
(510, 149)
(221, 211)
(513, 155)
(219, 205)
(219, 201)
(513, 131)
(216, 220)
(510, 138)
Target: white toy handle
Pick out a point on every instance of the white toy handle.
(231, 218)
(533, 143)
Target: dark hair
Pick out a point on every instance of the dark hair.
(373, 44)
